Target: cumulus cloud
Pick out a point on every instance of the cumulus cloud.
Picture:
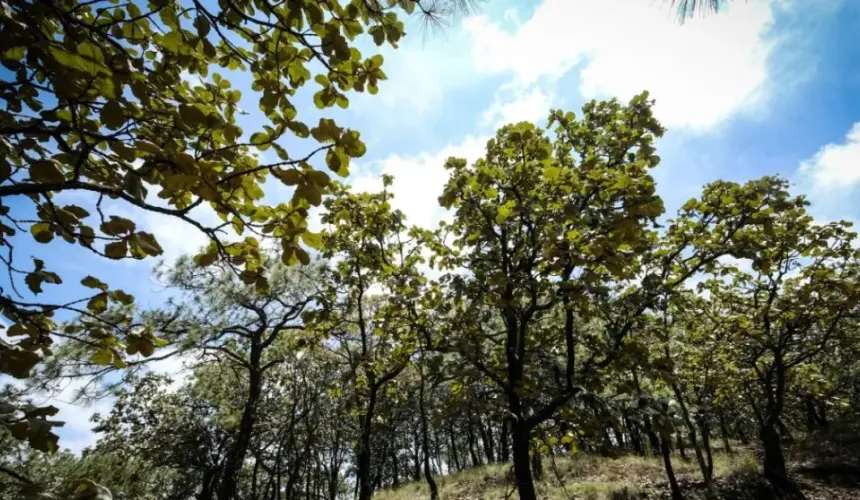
(528, 105)
(700, 73)
(419, 180)
(836, 165)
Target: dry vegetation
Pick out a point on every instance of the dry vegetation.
(824, 471)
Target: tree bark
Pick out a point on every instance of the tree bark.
(425, 436)
(470, 434)
(454, 456)
(724, 432)
(504, 436)
(706, 444)
(364, 481)
(670, 472)
(236, 455)
(520, 435)
(691, 428)
(653, 440)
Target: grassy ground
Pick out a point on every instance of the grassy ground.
(632, 477)
(580, 476)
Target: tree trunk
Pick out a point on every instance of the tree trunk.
(504, 435)
(416, 441)
(705, 428)
(784, 431)
(774, 461)
(679, 440)
(363, 478)
(236, 455)
(522, 467)
(691, 428)
(425, 436)
(724, 432)
(670, 472)
(470, 434)
(739, 428)
(487, 440)
(635, 439)
(822, 415)
(653, 440)
(454, 455)
(395, 468)
(537, 464)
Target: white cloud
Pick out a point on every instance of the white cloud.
(420, 72)
(526, 105)
(700, 73)
(835, 166)
(419, 180)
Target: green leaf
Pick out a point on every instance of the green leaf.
(116, 250)
(122, 297)
(503, 212)
(313, 240)
(78, 61)
(91, 282)
(259, 138)
(148, 243)
(42, 232)
(205, 259)
(116, 226)
(47, 172)
(102, 357)
(17, 362)
(98, 304)
(112, 115)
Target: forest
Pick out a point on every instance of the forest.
(558, 315)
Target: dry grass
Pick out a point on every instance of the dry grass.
(580, 476)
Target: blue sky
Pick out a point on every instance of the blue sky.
(766, 87)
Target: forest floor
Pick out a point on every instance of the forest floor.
(822, 470)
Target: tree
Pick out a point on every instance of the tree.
(374, 259)
(228, 319)
(798, 302)
(540, 223)
(98, 104)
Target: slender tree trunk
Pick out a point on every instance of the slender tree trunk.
(739, 428)
(454, 456)
(395, 469)
(487, 440)
(208, 487)
(504, 436)
(652, 436)
(822, 415)
(416, 471)
(425, 436)
(679, 440)
(784, 431)
(724, 432)
(691, 428)
(633, 436)
(670, 472)
(470, 434)
(537, 464)
(254, 477)
(706, 444)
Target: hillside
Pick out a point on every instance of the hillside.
(833, 474)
